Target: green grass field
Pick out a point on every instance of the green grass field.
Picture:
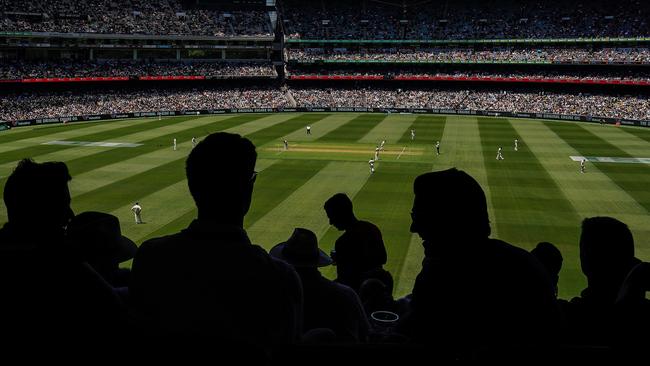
(535, 194)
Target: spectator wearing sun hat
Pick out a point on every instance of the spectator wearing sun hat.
(97, 238)
(327, 304)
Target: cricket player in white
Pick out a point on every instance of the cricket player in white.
(174, 143)
(499, 155)
(372, 166)
(381, 147)
(377, 153)
(309, 130)
(437, 147)
(193, 142)
(582, 165)
(516, 145)
(286, 144)
(412, 135)
(136, 209)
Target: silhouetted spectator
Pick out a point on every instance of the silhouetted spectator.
(98, 238)
(472, 290)
(636, 284)
(375, 295)
(606, 258)
(327, 304)
(359, 253)
(47, 290)
(551, 258)
(633, 308)
(209, 279)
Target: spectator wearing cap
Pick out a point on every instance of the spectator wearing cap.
(327, 304)
(98, 239)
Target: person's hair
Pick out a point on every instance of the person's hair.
(455, 198)
(36, 191)
(219, 169)
(339, 202)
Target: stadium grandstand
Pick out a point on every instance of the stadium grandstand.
(555, 89)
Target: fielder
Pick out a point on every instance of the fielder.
(174, 144)
(286, 144)
(437, 147)
(377, 153)
(193, 142)
(136, 209)
(582, 165)
(309, 130)
(412, 134)
(516, 145)
(499, 155)
(372, 166)
(381, 147)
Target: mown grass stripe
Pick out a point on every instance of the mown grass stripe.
(393, 125)
(33, 151)
(638, 132)
(163, 207)
(632, 178)
(304, 206)
(320, 128)
(103, 175)
(403, 264)
(131, 189)
(281, 130)
(272, 186)
(69, 135)
(112, 156)
(355, 129)
(428, 130)
(23, 133)
(522, 191)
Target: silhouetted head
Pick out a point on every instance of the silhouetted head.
(37, 195)
(97, 238)
(606, 250)
(449, 204)
(550, 257)
(339, 211)
(301, 250)
(220, 175)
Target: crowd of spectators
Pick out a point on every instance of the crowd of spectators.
(636, 55)
(50, 69)
(466, 19)
(36, 105)
(632, 107)
(151, 17)
(520, 74)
